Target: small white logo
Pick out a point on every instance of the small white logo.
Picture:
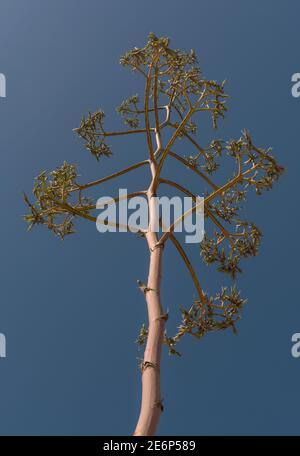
(2, 346)
(296, 346)
(2, 85)
(296, 86)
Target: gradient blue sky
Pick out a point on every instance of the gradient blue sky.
(71, 311)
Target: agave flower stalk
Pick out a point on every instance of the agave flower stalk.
(175, 96)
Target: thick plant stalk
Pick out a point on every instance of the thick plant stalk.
(171, 77)
(151, 405)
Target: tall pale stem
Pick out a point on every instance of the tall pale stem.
(151, 406)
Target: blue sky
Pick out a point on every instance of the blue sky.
(71, 310)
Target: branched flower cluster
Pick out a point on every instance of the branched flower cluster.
(262, 168)
(220, 312)
(52, 193)
(244, 242)
(179, 77)
(91, 129)
(227, 206)
(217, 313)
(130, 112)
